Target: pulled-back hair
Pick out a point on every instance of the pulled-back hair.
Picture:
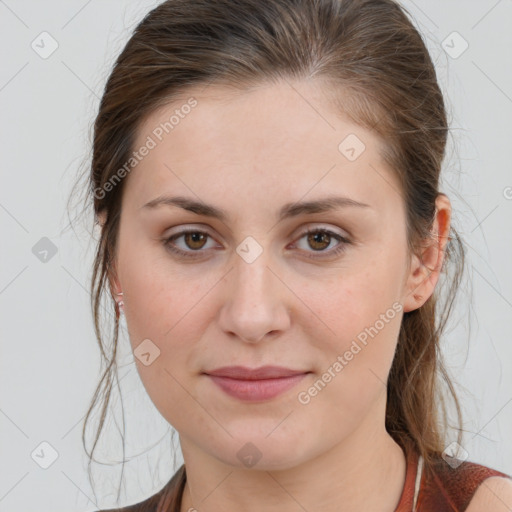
(383, 78)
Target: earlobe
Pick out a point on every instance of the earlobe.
(426, 266)
(420, 285)
(111, 273)
(113, 281)
(101, 218)
(115, 288)
(116, 291)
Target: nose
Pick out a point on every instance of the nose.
(256, 305)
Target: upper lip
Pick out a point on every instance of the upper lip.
(245, 373)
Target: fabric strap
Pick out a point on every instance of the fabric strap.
(418, 482)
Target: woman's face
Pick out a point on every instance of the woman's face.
(253, 288)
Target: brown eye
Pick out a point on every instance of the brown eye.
(319, 240)
(324, 242)
(195, 239)
(189, 243)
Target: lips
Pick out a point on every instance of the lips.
(263, 372)
(255, 384)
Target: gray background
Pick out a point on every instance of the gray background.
(50, 361)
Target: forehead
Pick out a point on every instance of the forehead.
(277, 113)
(271, 139)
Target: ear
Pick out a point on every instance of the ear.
(112, 278)
(114, 285)
(425, 268)
(101, 218)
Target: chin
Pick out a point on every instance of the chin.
(262, 451)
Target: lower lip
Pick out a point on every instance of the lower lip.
(256, 390)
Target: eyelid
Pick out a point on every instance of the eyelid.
(300, 231)
(336, 251)
(314, 227)
(183, 229)
(343, 241)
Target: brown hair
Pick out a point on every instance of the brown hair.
(383, 78)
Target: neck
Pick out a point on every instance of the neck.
(363, 472)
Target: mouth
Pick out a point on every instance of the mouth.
(255, 385)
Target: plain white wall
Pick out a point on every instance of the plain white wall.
(50, 361)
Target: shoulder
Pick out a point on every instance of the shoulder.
(494, 494)
(457, 486)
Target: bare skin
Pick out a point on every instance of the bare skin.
(251, 153)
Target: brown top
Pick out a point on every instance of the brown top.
(448, 488)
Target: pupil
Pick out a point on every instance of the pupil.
(320, 237)
(195, 238)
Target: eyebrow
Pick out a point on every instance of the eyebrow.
(289, 210)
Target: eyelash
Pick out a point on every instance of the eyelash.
(197, 254)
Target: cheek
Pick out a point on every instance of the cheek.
(362, 314)
(355, 302)
(164, 318)
(157, 293)
(353, 377)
